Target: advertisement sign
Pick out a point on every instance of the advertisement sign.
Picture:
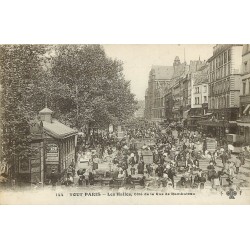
(147, 157)
(52, 153)
(35, 165)
(24, 166)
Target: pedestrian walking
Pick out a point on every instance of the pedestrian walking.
(238, 164)
(53, 178)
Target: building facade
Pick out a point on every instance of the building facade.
(177, 100)
(224, 87)
(225, 81)
(159, 79)
(244, 119)
(1, 127)
(174, 92)
(197, 96)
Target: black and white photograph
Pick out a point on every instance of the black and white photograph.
(125, 124)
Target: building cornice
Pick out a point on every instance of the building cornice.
(226, 47)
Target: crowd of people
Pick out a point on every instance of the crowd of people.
(154, 157)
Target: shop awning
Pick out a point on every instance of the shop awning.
(217, 124)
(247, 107)
(243, 124)
(207, 114)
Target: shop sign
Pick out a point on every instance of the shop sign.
(35, 165)
(52, 153)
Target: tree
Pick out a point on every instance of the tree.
(79, 82)
(98, 93)
(20, 67)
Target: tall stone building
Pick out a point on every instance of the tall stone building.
(224, 87)
(225, 81)
(244, 120)
(176, 88)
(168, 94)
(159, 79)
(1, 127)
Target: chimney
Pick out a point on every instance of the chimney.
(46, 115)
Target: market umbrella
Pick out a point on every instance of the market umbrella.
(81, 171)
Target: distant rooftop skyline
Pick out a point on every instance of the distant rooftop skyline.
(139, 59)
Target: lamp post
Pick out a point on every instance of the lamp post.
(225, 131)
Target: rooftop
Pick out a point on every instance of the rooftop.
(162, 72)
(220, 48)
(57, 129)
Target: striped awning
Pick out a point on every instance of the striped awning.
(247, 107)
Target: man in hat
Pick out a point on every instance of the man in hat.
(224, 158)
(171, 173)
(53, 177)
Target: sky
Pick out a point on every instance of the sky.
(138, 60)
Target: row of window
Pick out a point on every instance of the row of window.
(197, 100)
(68, 146)
(220, 60)
(198, 89)
(220, 87)
(220, 73)
(219, 102)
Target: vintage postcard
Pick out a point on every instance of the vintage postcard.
(125, 124)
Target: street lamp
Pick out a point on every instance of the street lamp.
(225, 130)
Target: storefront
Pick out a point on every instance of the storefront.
(244, 131)
(193, 122)
(218, 129)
